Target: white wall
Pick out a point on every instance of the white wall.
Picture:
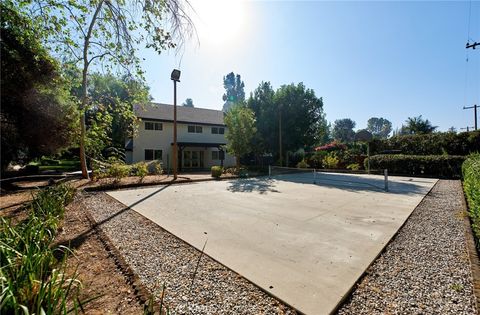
(162, 139)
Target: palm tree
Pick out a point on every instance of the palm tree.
(418, 125)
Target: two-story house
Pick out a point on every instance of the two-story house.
(200, 137)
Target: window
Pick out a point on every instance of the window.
(151, 154)
(150, 125)
(218, 130)
(215, 155)
(195, 129)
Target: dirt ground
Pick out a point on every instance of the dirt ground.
(98, 272)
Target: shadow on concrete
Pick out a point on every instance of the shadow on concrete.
(356, 183)
(79, 239)
(261, 185)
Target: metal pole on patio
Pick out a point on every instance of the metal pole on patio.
(175, 77)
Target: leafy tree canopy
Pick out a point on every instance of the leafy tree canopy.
(417, 125)
(37, 112)
(343, 130)
(379, 127)
(234, 90)
(188, 103)
(240, 121)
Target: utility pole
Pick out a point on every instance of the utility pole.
(280, 134)
(467, 129)
(475, 44)
(474, 113)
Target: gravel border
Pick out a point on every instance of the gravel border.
(426, 267)
(159, 258)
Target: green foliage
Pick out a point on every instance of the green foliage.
(234, 91)
(417, 126)
(140, 169)
(32, 91)
(155, 168)
(430, 144)
(471, 186)
(217, 171)
(442, 166)
(303, 164)
(379, 127)
(343, 130)
(330, 161)
(240, 122)
(188, 103)
(118, 170)
(32, 280)
(353, 166)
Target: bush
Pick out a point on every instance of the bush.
(49, 161)
(446, 143)
(471, 186)
(353, 166)
(155, 168)
(302, 164)
(442, 166)
(330, 161)
(140, 169)
(217, 171)
(118, 171)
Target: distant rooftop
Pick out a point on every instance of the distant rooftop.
(164, 112)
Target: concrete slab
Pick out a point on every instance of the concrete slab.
(305, 243)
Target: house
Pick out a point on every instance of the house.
(200, 137)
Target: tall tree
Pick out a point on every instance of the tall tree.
(379, 127)
(234, 90)
(240, 121)
(418, 125)
(108, 31)
(37, 114)
(343, 130)
(188, 103)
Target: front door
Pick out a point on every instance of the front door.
(193, 159)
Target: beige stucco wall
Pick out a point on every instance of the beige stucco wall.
(162, 139)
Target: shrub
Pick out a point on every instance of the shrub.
(302, 164)
(49, 161)
(353, 166)
(447, 143)
(217, 171)
(442, 166)
(140, 169)
(471, 186)
(330, 161)
(155, 168)
(118, 171)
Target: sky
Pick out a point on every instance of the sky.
(364, 59)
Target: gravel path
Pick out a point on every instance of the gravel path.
(160, 258)
(425, 269)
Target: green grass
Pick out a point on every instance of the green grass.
(64, 166)
(32, 280)
(471, 186)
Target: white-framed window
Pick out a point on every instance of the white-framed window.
(195, 129)
(152, 154)
(215, 155)
(218, 130)
(151, 125)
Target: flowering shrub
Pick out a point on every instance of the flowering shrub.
(333, 146)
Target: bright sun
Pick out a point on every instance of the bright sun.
(219, 22)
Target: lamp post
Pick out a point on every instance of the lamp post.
(175, 77)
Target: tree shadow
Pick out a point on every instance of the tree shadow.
(356, 183)
(261, 185)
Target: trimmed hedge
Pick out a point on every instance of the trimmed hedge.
(471, 186)
(439, 143)
(442, 166)
(217, 171)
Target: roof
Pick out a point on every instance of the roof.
(164, 112)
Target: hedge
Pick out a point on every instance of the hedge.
(471, 186)
(441, 166)
(439, 143)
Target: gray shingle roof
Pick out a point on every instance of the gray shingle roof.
(157, 111)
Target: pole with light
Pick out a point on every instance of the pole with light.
(175, 77)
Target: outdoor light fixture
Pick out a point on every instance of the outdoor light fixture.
(175, 77)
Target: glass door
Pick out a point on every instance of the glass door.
(193, 159)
